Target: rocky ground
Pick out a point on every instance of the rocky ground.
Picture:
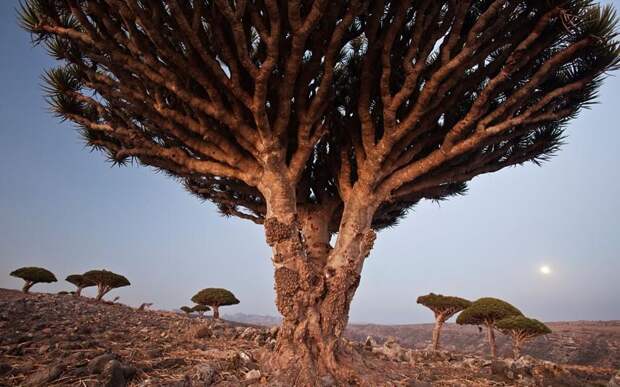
(63, 340)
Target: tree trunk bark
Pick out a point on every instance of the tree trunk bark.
(491, 338)
(101, 291)
(216, 312)
(315, 285)
(78, 292)
(27, 286)
(516, 347)
(436, 334)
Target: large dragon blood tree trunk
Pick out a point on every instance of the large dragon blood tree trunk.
(315, 283)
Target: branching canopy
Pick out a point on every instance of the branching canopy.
(80, 281)
(107, 279)
(34, 274)
(487, 311)
(522, 325)
(441, 304)
(200, 308)
(215, 297)
(410, 98)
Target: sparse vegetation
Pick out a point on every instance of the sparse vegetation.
(214, 298)
(488, 311)
(80, 282)
(105, 281)
(32, 276)
(444, 307)
(521, 329)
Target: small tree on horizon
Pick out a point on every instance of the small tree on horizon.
(487, 311)
(80, 282)
(521, 329)
(33, 275)
(201, 309)
(187, 309)
(444, 307)
(214, 298)
(105, 281)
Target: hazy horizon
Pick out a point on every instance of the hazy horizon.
(66, 209)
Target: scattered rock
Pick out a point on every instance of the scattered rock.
(44, 376)
(112, 375)
(252, 375)
(97, 364)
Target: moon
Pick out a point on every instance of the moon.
(545, 270)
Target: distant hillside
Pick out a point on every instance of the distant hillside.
(594, 343)
(253, 319)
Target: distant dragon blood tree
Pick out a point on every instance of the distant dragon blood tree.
(443, 307)
(186, 309)
(521, 329)
(322, 118)
(488, 311)
(201, 309)
(214, 298)
(80, 282)
(32, 276)
(105, 281)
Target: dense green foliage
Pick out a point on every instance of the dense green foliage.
(528, 326)
(440, 302)
(215, 297)
(34, 274)
(106, 278)
(487, 310)
(80, 281)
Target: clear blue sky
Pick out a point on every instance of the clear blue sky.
(66, 209)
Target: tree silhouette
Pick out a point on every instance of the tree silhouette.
(80, 282)
(443, 307)
(105, 281)
(32, 276)
(322, 118)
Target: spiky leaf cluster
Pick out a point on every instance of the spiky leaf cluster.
(80, 281)
(215, 297)
(34, 274)
(419, 97)
(522, 324)
(440, 302)
(487, 310)
(106, 278)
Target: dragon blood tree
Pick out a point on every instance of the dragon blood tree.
(322, 118)
(521, 329)
(214, 298)
(80, 282)
(186, 309)
(200, 309)
(444, 307)
(32, 276)
(488, 311)
(105, 281)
